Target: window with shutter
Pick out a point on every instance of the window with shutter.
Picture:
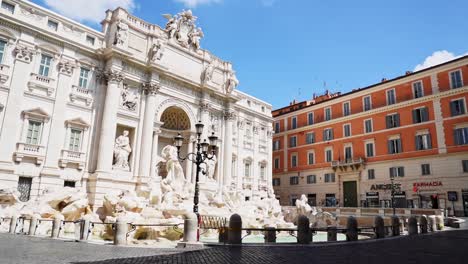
(34, 132)
(311, 158)
(369, 149)
(456, 79)
(367, 103)
(2, 49)
(310, 118)
(461, 136)
(370, 174)
(457, 107)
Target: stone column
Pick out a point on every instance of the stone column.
(109, 121)
(151, 90)
(227, 147)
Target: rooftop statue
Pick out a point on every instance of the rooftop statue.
(182, 29)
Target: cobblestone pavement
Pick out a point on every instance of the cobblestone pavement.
(18, 249)
(444, 247)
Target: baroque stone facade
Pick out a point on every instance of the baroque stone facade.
(94, 110)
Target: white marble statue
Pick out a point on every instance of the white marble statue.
(157, 51)
(121, 35)
(195, 37)
(232, 82)
(171, 25)
(210, 168)
(302, 205)
(129, 99)
(207, 74)
(182, 28)
(122, 151)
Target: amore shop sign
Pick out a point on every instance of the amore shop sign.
(376, 187)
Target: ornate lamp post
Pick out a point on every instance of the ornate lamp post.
(393, 186)
(202, 154)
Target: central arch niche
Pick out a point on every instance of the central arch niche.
(174, 118)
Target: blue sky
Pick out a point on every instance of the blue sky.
(289, 49)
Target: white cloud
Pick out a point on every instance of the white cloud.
(195, 3)
(87, 10)
(436, 58)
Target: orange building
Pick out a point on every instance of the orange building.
(346, 149)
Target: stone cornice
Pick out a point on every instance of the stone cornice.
(376, 110)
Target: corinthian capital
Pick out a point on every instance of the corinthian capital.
(205, 106)
(229, 115)
(24, 53)
(112, 76)
(66, 66)
(151, 88)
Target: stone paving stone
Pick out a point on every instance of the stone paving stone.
(447, 248)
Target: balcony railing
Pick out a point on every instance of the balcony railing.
(81, 93)
(348, 164)
(72, 157)
(39, 82)
(36, 152)
(4, 73)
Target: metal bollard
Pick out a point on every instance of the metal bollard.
(13, 224)
(235, 229)
(190, 228)
(379, 227)
(57, 225)
(395, 226)
(33, 224)
(412, 226)
(303, 230)
(423, 224)
(432, 223)
(270, 235)
(331, 234)
(352, 229)
(120, 232)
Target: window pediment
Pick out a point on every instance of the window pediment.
(77, 122)
(36, 113)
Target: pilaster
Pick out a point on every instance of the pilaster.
(58, 132)
(22, 67)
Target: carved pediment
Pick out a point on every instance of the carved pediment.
(37, 113)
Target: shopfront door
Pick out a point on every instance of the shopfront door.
(350, 194)
(465, 203)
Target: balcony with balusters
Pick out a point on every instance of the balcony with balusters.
(72, 157)
(348, 165)
(35, 152)
(4, 73)
(41, 84)
(81, 94)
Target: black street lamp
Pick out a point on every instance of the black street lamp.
(393, 188)
(202, 154)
